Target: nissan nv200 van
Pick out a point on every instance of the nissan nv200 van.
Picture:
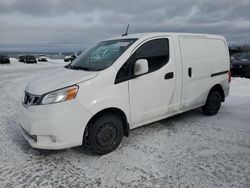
(123, 83)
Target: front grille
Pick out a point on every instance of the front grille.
(30, 99)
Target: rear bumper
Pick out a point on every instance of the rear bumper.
(240, 71)
(55, 126)
(226, 91)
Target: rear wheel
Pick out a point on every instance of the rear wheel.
(104, 134)
(213, 103)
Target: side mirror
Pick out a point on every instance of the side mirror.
(141, 67)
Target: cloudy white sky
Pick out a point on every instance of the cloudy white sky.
(73, 24)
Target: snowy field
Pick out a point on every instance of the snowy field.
(188, 150)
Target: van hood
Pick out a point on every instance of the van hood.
(58, 79)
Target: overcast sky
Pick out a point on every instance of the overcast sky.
(72, 24)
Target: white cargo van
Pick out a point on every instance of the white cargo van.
(123, 83)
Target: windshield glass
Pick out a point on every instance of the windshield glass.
(237, 55)
(245, 56)
(102, 55)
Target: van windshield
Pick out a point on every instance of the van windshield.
(102, 55)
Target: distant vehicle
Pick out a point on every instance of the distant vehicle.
(27, 59)
(42, 58)
(21, 58)
(69, 58)
(30, 59)
(4, 59)
(241, 67)
(245, 57)
(121, 84)
(236, 56)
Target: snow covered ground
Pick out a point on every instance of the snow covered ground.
(188, 150)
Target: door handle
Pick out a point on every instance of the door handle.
(190, 72)
(169, 75)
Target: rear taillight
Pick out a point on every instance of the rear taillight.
(229, 76)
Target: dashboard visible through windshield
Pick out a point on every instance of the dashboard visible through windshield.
(102, 55)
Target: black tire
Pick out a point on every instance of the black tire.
(104, 134)
(247, 73)
(213, 103)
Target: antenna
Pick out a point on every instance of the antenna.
(126, 31)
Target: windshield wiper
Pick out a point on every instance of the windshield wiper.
(69, 66)
(80, 68)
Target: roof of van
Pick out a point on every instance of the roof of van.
(158, 34)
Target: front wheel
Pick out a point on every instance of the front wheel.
(104, 134)
(213, 103)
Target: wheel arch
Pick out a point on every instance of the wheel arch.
(219, 88)
(115, 111)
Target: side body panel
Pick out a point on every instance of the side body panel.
(220, 62)
(204, 57)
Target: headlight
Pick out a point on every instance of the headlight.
(61, 95)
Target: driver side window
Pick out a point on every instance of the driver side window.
(155, 51)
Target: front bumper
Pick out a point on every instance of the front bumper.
(54, 126)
